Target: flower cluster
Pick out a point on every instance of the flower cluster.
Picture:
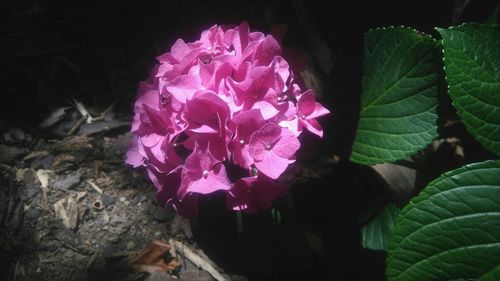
(228, 99)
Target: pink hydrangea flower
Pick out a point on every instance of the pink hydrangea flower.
(227, 99)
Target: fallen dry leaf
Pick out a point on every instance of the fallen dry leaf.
(43, 177)
(151, 259)
(67, 210)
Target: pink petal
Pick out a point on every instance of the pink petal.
(158, 121)
(136, 122)
(204, 129)
(252, 116)
(240, 38)
(241, 156)
(134, 158)
(269, 133)
(292, 126)
(208, 109)
(184, 87)
(215, 180)
(306, 103)
(272, 165)
(151, 139)
(179, 50)
(318, 111)
(267, 110)
(197, 162)
(262, 139)
(267, 51)
(313, 126)
(287, 145)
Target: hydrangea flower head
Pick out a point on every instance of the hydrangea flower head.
(227, 99)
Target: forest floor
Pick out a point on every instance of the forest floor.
(72, 210)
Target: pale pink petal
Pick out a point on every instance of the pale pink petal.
(204, 129)
(318, 111)
(134, 158)
(179, 50)
(269, 133)
(216, 179)
(184, 87)
(267, 110)
(272, 165)
(287, 145)
(292, 125)
(313, 126)
(151, 139)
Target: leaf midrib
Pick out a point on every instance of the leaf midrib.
(397, 81)
(470, 58)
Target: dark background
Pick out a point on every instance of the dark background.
(98, 51)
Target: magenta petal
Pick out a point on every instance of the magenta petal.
(269, 133)
(262, 140)
(215, 180)
(272, 165)
(318, 111)
(306, 103)
(179, 50)
(184, 87)
(167, 185)
(151, 99)
(151, 139)
(241, 156)
(197, 162)
(267, 110)
(267, 51)
(287, 145)
(204, 129)
(313, 126)
(240, 38)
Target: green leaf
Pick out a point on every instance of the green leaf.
(375, 235)
(451, 230)
(472, 67)
(399, 100)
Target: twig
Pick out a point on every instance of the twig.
(105, 112)
(94, 186)
(77, 124)
(198, 260)
(83, 111)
